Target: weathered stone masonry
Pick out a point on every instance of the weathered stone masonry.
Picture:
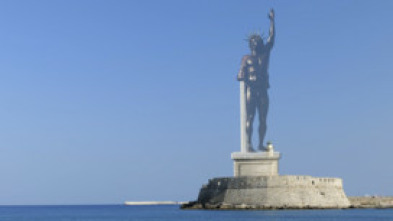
(275, 192)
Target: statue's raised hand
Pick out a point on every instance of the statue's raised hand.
(271, 14)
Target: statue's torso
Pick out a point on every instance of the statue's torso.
(255, 68)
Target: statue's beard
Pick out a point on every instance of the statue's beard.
(258, 49)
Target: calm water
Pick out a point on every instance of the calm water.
(166, 213)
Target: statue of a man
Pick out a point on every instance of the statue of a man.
(254, 73)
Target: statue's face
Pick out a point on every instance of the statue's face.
(255, 42)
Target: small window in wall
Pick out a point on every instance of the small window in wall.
(312, 182)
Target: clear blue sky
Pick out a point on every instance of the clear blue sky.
(107, 101)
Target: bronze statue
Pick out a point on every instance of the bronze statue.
(254, 73)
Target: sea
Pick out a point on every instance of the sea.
(173, 213)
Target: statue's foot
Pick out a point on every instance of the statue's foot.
(250, 149)
(261, 148)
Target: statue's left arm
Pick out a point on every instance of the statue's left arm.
(272, 30)
(242, 75)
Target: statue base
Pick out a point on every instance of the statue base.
(271, 192)
(256, 164)
(257, 185)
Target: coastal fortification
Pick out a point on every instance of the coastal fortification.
(271, 192)
(257, 185)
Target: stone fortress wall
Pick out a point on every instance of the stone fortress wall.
(295, 192)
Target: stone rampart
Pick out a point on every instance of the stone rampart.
(274, 192)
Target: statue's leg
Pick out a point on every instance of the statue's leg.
(251, 108)
(263, 106)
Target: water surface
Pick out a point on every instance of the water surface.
(173, 213)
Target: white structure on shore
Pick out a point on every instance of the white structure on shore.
(148, 203)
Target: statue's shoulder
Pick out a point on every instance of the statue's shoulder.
(245, 58)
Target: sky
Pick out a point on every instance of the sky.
(103, 102)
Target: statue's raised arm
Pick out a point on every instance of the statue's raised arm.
(272, 31)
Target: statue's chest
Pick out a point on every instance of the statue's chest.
(256, 64)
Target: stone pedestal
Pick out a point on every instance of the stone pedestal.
(272, 192)
(256, 164)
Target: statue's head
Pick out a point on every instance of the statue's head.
(255, 42)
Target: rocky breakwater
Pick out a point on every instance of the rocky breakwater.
(379, 202)
(271, 192)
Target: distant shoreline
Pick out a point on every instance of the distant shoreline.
(149, 203)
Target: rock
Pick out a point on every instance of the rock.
(371, 201)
